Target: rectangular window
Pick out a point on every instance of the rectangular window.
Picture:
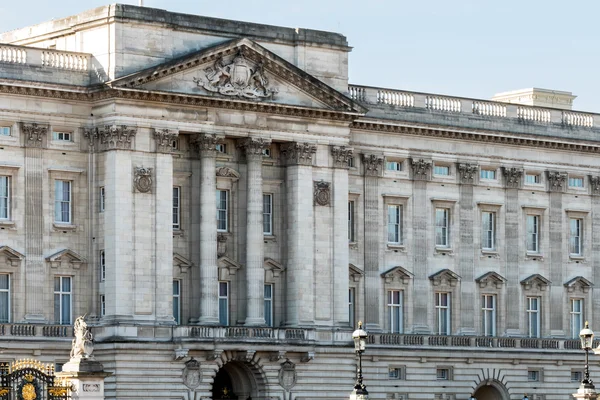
(489, 174)
(175, 144)
(533, 317)
(62, 300)
(4, 298)
(176, 208)
(351, 162)
(532, 178)
(395, 373)
(4, 130)
(269, 304)
(221, 148)
(575, 236)
(351, 237)
(102, 199)
(4, 197)
(394, 224)
(62, 136)
(442, 225)
(266, 152)
(441, 170)
(177, 301)
(576, 376)
(224, 303)
(488, 227)
(442, 374)
(533, 375)
(222, 210)
(62, 202)
(351, 307)
(488, 317)
(442, 312)
(102, 265)
(576, 182)
(393, 165)
(533, 233)
(102, 305)
(267, 214)
(576, 317)
(395, 315)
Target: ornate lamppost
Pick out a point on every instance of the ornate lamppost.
(586, 389)
(360, 341)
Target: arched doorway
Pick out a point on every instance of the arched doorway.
(490, 391)
(237, 381)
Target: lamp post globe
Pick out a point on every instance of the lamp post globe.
(587, 339)
(360, 343)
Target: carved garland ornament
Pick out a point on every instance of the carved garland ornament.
(142, 179)
(238, 78)
(322, 193)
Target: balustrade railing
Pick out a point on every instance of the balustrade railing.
(577, 119)
(489, 108)
(55, 59)
(439, 103)
(11, 54)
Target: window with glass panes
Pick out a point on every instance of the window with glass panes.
(576, 182)
(4, 298)
(576, 315)
(351, 237)
(488, 317)
(488, 225)
(62, 136)
(102, 265)
(351, 306)
(267, 214)
(269, 304)
(533, 233)
(441, 170)
(575, 236)
(393, 166)
(62, 299)
(489, 174)
(442, 313)
(533, 317)
(222, 204)
(102, 305)
(532, 178)
(442, 227)
(395, 317)
(176, 208)
(102, 199)
(62, 202)
(4, 130)
(177, 301)
(394, 224)
(4, 197)
(224, 303)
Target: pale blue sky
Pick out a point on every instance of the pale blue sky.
(471, 48)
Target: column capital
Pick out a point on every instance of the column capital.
(205, 144)
(34, 134)
(110, 137)
(421, 169)
(253, 146)
(513, 177)
(298, 153)
(557, 181)
(467, 173)
(595, 184)
(373, 164)
(341, 156)
(164, 139)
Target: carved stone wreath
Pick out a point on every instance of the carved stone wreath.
(143, 179)
(322, 193)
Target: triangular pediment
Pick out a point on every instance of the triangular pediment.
(445, 277)
(226, 172)
(13, 257)
(355, 272)
(239, 70)
(273, 268)
(579, 283)
(535, 281)
(227, 268)
(492, 279)
(65, 255)
(397, 274)
(183, 263)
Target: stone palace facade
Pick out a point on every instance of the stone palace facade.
(224, 208)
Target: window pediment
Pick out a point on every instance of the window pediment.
(535, 281)
(13, 257)
(492, 279)
(397, 274)
(183, 263)
(579, 283)
(445, 277)
(355, 273)
(273, 267)
(226, 172)
(227, 268)
(67, 255)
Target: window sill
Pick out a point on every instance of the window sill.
(396, 247)
(8, 224)
(534, 257)
(178, 232)
(353, 245)
(269, 238)
(490, 254)
(576, 259)
(63, 227)
(444, 250)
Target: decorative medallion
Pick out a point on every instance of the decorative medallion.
(556, 181)
(192, 374)
(322, 193)
(238, 78)
(34, 134)
(287, 375)
(420, 169)
(513, 177)
(143, 179)
(467, 172)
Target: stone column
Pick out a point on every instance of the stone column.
(255, 273)
(595, 255)
(209, 303)
(35, 273)
(341, 257)
(557, 183)
(300, 297)
(421, 173)
(467, 178)
(513, 180)
(373, 168)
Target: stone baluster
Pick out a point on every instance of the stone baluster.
(255, 274)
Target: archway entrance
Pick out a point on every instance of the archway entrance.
(488, 392)
(237, 381)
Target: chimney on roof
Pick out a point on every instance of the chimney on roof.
(141, 3)
(538, 97)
